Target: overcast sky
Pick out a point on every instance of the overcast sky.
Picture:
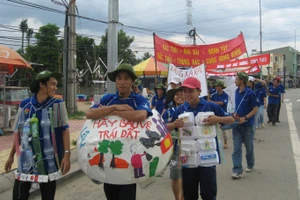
(215, 20)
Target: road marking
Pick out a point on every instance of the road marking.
(298, 100)
(286, 100)
(295, 140)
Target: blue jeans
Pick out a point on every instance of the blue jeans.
(242, 134)
(259, 117)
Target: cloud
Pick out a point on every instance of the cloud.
(215, 20)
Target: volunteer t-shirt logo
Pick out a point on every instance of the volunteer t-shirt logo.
(145, 105)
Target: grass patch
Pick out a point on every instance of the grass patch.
(74, 142)
(77, 115)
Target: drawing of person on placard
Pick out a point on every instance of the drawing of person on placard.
(136, 160)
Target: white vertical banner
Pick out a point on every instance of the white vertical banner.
(230, 90)
(183, 73)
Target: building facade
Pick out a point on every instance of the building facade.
(290, 60)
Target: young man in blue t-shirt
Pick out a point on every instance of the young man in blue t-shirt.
(281, 97)
(220, 97)
(125, 104)
(43, 87)
(206, 177)
(274, 93)
(246, 107)
(159, 99)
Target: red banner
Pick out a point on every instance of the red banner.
(253, 69)
(183, 55)
(260, 60)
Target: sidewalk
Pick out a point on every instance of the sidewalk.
(6, 142)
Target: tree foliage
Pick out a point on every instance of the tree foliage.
(23, 28)
(124, 51)
(47, 50)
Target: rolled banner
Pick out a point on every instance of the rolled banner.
(117, 151)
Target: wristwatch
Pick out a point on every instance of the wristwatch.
(246, 117)
(67, 152)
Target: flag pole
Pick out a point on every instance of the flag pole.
(156, 82)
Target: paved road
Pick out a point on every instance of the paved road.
(275, 176)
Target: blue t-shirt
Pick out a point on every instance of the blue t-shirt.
(212, 91)
(274, 91)
(221, 97)
(136, 101)
(32, 106)
(158, 103)
(203, 106)
(282, 90)
(245, 102)
(261, 94)
(167, 116)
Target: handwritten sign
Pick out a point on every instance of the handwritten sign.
(118, 151)
(192, 56)
(183, 73)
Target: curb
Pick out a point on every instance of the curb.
(73, 171)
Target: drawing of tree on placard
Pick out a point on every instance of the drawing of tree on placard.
(103, 148)
(115, 149)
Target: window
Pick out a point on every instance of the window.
(283, 56)
(276, 59)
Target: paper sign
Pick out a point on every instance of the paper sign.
(117, 151)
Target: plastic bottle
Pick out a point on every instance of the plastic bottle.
(18, 134)
(26, 157)
(48, 148)
(37, 145)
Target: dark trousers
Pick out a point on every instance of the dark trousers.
(206, 176)
(272, 112)
(21, 190)
(278, 111)
(120, 192)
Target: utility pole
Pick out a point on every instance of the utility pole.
(72, 87)
(112, 43)
(69, 55)
(260, 34)
(194, 36)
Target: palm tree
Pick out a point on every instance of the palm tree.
(29, 35)
(23, 29)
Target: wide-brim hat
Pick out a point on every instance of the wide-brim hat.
(160, 86)
(122, 68)
(221, 84)
(137, 82)
(171, 93)
(243, 76)
(44, 75)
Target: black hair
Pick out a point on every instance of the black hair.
(44, 82)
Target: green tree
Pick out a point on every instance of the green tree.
(146, 56)
(103, 148)
(115, 149)
(29, 35)
(23, 28)
(124, 51)
(85, 51)
(47, 49)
